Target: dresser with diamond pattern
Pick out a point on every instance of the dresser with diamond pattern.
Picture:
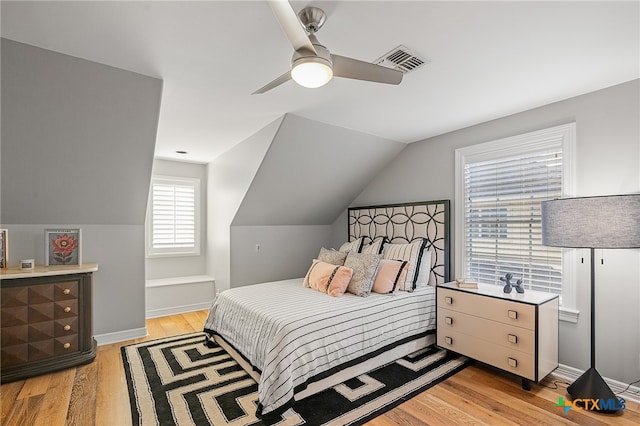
(46, 322)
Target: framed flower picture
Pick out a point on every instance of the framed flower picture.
(4, 249)
(62, 246)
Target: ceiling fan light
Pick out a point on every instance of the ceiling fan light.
(311, 72)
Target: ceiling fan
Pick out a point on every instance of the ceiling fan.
(312, 65)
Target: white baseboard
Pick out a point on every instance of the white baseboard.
(570, 374)
(163, 312)
(120, 336)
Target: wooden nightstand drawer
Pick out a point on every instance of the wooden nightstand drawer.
(508, 336)
(504, 311)
(504, 358)
(514, 332)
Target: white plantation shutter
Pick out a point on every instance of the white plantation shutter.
(503, 230)
(173, 217)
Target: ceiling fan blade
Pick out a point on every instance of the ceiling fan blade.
(275, 83)
(291, 26)
(360, 70)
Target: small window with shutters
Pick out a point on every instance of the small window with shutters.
(499, 189)
(173, 217)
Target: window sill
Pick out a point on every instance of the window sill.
(172, 254)
(189, 279)
(569, 315)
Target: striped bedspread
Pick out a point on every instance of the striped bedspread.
(293, 334)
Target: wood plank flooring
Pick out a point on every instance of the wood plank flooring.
(96, 394)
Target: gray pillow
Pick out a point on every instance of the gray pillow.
(333, 257)
(364, 271)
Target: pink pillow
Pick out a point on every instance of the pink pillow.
(390, 273)
(328, 278)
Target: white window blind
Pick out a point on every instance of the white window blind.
(503, 231)
(173, 217)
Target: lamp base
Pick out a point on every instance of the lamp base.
(591, 387)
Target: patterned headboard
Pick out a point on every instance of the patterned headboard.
(402, 223)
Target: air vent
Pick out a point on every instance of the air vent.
(401, 59)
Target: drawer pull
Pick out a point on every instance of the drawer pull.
(67, 327)
(513, 338)
(448, 340)
(448, 320)
(513, 362)
(513, 314)
(67, 309)
(66, 291)
(448, 300)
(66, 345)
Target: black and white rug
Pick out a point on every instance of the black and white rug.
(179, 381)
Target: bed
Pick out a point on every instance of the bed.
(296, 341)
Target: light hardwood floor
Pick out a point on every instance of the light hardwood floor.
(97, 394)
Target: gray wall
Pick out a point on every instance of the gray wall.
(310, 173)
(284, 251)
(228, 179)
(607, 162)
(77, 149)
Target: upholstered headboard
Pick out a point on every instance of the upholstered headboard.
(403, 223)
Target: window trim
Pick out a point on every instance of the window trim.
(173, 251)
(514, 145)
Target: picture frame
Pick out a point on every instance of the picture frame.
(63, 246)
(4, 248)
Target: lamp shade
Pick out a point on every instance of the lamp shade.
(611, 221)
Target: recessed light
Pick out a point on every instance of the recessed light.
(181, 152)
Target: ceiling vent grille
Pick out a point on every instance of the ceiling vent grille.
(401, 59)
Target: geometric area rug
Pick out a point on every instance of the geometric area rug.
(180, 381)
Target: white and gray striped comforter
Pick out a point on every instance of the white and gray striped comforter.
(291, 333)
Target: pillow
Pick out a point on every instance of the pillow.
(364, 270)
(328, 278)
(424, 274)
(390, 273)
(334, 257)
(352, 246)
(411, 253)
(375, 247)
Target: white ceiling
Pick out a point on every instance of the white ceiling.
(488, 60)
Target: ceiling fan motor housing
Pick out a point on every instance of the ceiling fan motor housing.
(322, 54)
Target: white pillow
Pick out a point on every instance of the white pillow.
(424, 273)
(375, 247)
(352, 246)
(410, 252)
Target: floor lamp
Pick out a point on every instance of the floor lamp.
(606, 222)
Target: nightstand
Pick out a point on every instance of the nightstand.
(515, 332)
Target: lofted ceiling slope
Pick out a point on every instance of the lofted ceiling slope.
(313, 171)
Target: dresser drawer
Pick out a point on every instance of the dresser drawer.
(506, 335)
(492, 308)
(14, 355)
(65, 345)
(65, 290)
(66, 309)
(16, 335)
(65, 327)
(504, 358)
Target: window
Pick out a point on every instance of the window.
(499, 188)
(173, 218)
